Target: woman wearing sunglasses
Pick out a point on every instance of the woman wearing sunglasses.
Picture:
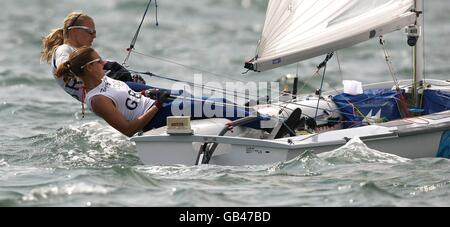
(125, 110)
(78, 30)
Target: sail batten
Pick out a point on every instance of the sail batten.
(296, 30)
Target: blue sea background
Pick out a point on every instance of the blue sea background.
(50, 156)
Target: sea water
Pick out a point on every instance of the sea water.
(50, 156)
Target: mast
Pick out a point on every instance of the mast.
(418, 52)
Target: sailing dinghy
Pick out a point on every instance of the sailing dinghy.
(409, 118)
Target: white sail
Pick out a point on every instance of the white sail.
(297, 30)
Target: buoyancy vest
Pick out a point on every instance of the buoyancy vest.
(130, 103)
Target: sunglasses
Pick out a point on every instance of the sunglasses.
(87, 29)
(92, 62)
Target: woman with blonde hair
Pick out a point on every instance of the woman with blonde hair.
(78, 30)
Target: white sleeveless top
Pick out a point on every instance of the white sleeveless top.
(131, 104)
(73, 87)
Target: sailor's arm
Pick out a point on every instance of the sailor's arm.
(104, 108)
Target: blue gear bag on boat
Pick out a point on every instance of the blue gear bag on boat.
(444, 146)
(378, 105)
(436, 101)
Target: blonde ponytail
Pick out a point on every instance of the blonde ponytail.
(50, 43)
(58, 36)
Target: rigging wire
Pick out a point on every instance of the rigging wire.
(185, 66)
(339, 64)
(131, 49)
(190, 83)
(242, 95)
(403, 106)
(282, 104)
(133, 41)
(388, 59)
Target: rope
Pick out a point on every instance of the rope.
(133, 41)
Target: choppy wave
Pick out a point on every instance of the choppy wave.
(3, 163)
(87, 145)
(67, 190)
(356, 151)
(307, 164)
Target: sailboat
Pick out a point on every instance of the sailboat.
(407, 118)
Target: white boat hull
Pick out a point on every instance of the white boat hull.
(410, 139)
(417, 137)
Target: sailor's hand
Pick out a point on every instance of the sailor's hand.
(163, 96)
(153, 93)
(138, 79)
(117, 71)
(230, 126)
(160, 96)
